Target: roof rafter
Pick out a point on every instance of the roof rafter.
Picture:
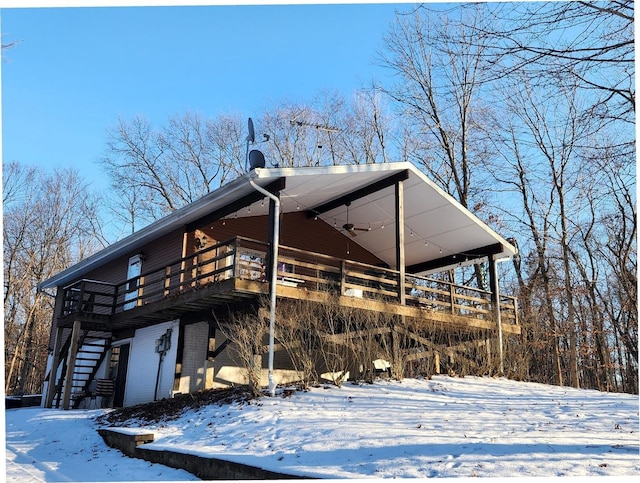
(456, 258)
(357, 194)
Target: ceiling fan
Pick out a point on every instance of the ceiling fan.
(349, 227)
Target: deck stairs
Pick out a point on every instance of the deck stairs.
(92, 350)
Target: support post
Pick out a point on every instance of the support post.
(398, 363)
(73, 353)
(495, 305)
(209, 371)
(53, 372)
(400, 261)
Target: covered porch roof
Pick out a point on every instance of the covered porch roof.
(439, 232)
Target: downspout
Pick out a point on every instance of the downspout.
(495, 295)
(274, 277)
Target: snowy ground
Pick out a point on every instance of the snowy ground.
(443, 427)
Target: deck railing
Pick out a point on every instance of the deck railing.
(246, 259)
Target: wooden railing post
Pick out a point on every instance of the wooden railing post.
(343, 276)
(236, 261)
(140, 291)
(114, 306)
(167, 280)
(78, 308)
(452, 291)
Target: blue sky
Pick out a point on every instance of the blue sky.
(77, 70)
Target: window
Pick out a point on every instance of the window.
(132, 290)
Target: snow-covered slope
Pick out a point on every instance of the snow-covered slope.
(443, 427)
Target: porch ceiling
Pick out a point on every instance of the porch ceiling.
(437, 227)
(431, 215)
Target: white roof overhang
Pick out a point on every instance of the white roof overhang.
(439, 232)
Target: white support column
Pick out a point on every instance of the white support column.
(495, 304)
(400, 261)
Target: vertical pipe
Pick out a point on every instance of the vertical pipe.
(398, 363)
(495, 304)
(400, 262)
(275, 241)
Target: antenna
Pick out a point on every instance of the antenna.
(319, 127)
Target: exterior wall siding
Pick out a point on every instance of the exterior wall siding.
(157, 254)
(296, 230)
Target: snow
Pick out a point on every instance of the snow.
(443, 427)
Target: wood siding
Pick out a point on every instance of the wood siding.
(157, 254)
(296, 230)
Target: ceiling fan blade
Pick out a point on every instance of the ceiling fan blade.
(352, 233)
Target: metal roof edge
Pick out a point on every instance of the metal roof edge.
(511, 249)
(262, 173)
(164, 225)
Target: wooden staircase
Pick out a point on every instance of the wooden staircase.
(92, 348)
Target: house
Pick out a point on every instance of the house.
(144, 318)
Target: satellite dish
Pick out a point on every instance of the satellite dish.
(251, 138)
(256, 159)
(252, 134)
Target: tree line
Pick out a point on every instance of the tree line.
(524, 112)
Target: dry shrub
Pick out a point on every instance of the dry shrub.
(295, 331)
(247, 332)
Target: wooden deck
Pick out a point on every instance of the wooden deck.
(235, 271)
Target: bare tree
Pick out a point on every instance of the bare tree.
(296, 136)
(439, 62)
(593, 42)
(154, 171)
(48, 225)
(366, 134)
